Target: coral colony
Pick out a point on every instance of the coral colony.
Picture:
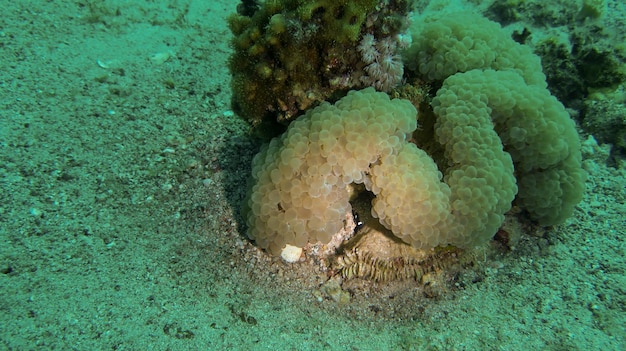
(431, 132)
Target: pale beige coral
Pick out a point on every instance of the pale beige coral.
(300, 179)
(493, 111)
(534, 129)
(445, 44)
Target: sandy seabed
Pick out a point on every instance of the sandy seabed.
(123, 168)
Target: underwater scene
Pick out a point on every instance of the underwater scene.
(313, 175)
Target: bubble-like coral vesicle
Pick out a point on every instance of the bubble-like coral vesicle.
(502, 138)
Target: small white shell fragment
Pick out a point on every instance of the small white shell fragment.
(161, 57)
(108, 64)
(102, 64)
(291, 254)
